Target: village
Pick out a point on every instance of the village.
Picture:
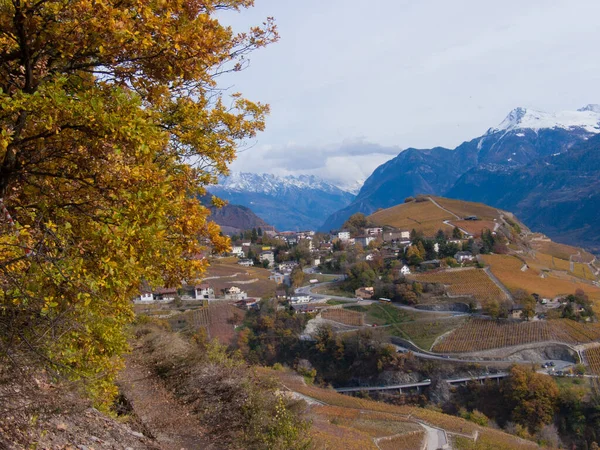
(310, 272)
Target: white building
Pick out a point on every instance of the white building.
(268, 256)
(343, 235)
(246, 262)
(235, 293)
(405, 235)
(238, 251)
(299, 299)
(374, 231)
(204, 292)
(464, 257)
(145, 297)
(405, 270)
(287, 266)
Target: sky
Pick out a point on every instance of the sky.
(352, 83)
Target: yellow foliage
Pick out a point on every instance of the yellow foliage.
(111, 126)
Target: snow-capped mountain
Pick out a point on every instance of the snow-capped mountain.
(586, 118)
(267, 183)
(525, 138)
(288, 203)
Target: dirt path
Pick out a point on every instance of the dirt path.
(442, 208)
(170, 423)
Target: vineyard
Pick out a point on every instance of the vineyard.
(217, 319)
(344, 316)
(508, 270)
(592, 358)
(463, 208)
(408, 441)
(473, 282)
(475, 227)
(544, 261)
(481, 334)
(424, 217)
(345, 421)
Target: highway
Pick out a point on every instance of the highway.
(492, 376)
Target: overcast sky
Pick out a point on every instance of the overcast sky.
(351, 82)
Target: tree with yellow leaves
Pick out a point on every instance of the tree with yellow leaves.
(111, 124)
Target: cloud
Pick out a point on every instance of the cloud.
(345, 164)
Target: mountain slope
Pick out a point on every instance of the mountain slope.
(233, 218)
(288, 203)
(524, 137)
(557, 195)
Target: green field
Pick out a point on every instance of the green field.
(421, 328)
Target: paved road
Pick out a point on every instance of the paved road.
(558, 363)
(436, 437)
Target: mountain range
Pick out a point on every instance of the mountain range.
(288, 203)
(543, 166)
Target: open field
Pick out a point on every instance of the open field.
(463, 208)
(420, 328)
(347, 422)
(508, 270)
(224, 273)
(473, 282)
(333, 289)
(424, 333)
(482, 334)
(345, 316)
(475, 227)
(423, 216)
(320, 277)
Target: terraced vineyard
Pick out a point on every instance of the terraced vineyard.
(508, 270)
(473, 282)
(344, 316)
(351, 423)
(592, 358)
(481, 334)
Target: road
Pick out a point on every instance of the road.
(436, 437)
(559, 364)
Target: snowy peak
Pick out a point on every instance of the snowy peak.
(586, 118)
(272, 184)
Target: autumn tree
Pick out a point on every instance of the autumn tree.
(112, 123)
(532, 397)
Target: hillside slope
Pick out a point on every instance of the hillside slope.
(233, 218)
(439, 213)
